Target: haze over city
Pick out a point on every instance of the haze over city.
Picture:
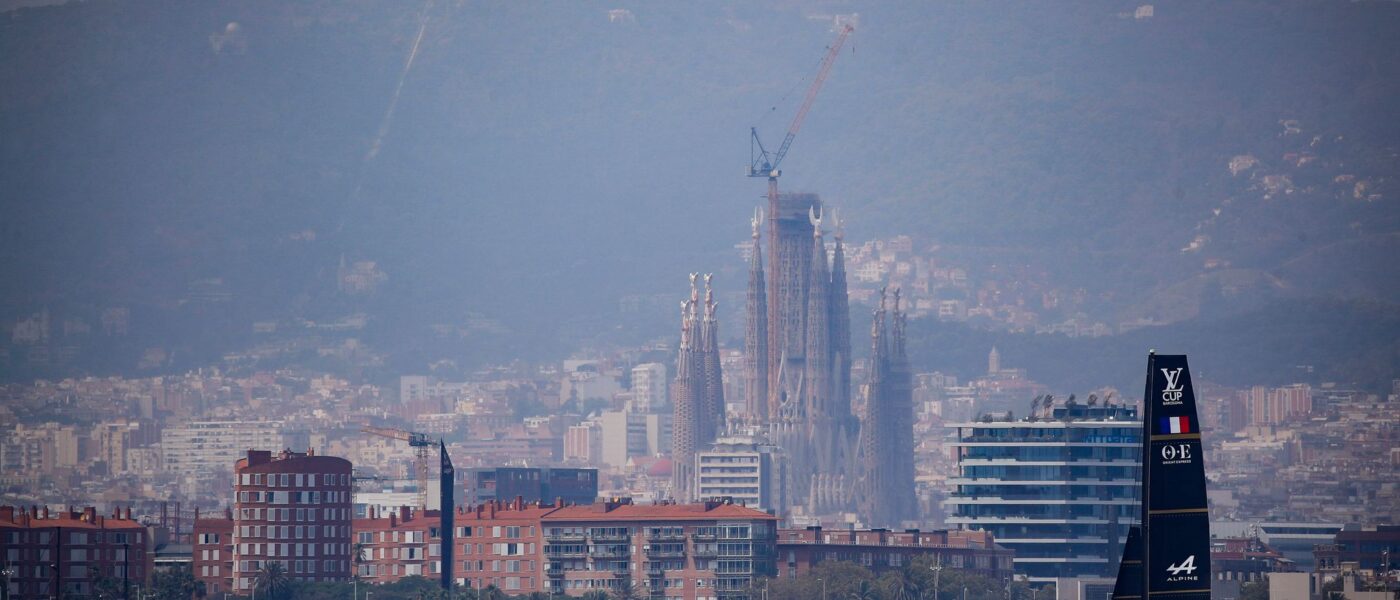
(712, 300)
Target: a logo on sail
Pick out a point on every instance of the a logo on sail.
(1176, 454)
(1172, 394)
(1187, 566)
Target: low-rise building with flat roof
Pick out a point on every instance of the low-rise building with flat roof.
(799, 550)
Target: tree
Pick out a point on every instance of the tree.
(103, 585)
(491, 592)
(1254, 590)
(864, 591)
(361, 554)
(906, 588)
(176, 584)
(625, 590)
(273, 580)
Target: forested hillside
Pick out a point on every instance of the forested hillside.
(543, 161)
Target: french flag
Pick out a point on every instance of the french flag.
(1175, 425)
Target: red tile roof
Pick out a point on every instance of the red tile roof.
(663, 512)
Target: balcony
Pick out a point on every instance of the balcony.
(563, 537)
(602, 553)
(611, 537)
(666, 552)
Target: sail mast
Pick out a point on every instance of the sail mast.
(1146, 490)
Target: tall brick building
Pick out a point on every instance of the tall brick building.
(290, 508)
(63, 553)
(213, 553)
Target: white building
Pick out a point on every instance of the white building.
(1059, 489)
(626, 435)
(649, 388)
(743, 468)
(209, 448)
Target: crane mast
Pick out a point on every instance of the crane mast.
(763, 163)
(422, 449)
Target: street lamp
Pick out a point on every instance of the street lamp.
(937, 571)
(823, 582)
(6, 572)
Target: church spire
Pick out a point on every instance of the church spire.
(712, 379)
(685, 399)
(840, 325)
(887, 433)
(817, 353)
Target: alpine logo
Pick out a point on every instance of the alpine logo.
(1172, 394)
(1187, 566)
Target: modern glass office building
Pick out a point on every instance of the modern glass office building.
(1059, 487)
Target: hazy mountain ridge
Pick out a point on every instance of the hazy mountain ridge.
(541, 163)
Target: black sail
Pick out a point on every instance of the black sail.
(447, 508)
(1175, 532)
(1129, 584)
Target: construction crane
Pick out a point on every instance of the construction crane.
(763, 163)
(422, 451)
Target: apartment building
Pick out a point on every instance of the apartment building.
(702, 551)
(1058, 488)
(295, 509)
(67, 553)
(881, 550)
(391, 545)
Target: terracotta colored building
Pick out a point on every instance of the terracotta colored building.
(501, 544)
(701, 551)
(212, 550)
(1246, 559)
(880, 549)
(54, 554)
(292, 508)
(397, 544)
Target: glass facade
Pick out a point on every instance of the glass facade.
(1061, 490)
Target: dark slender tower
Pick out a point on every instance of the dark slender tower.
(447, 506)
(756, 333)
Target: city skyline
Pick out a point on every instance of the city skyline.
(329, 300)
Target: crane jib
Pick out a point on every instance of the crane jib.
(765, 164)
